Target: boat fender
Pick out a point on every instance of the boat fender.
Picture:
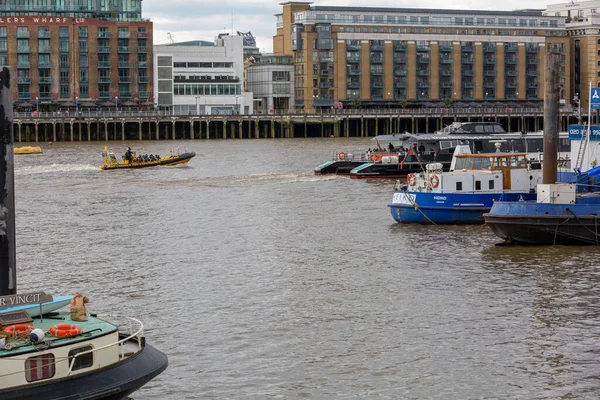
(36, 335)
(434, 181)
(18, 330)
(65, 330)
(342, 156)
(412, 179)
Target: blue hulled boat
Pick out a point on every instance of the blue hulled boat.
(468, 190)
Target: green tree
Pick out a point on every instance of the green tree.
(403, 103)
(447, 101)
(356, 103)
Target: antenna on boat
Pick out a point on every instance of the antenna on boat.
(8, 268)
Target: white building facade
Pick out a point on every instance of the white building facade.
(197, 78)
(271, 80)
(573, 9)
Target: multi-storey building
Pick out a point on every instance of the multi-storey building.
(384, 56)
(67, 50)
(200, 77)
(271, 80)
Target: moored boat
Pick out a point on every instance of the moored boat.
(28, 150)
(132, 160)
(463, 194)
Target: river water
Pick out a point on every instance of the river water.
(261, 280)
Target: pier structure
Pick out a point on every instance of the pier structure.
(149, 125)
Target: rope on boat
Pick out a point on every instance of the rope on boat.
(416, 206)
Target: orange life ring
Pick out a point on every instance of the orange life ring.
(65, 330)
(18, 330)
(412, 179)
(434, 181)
(342, 156)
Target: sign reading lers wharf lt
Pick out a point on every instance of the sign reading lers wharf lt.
(23, 299)
(41, 20)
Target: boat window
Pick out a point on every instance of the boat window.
(83, 361)
(477, 185)
(498, 129)
(479, 129)
(485, 163)
(39, 367)
(489, 128)
(458, 186)
(478, 146)
(491, 184)
(460, 163)
(477, 163)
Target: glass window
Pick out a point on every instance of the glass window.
(39, 367)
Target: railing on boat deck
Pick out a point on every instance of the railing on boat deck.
(356, 155)
(130, 332)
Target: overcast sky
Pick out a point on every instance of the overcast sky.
(203, 20)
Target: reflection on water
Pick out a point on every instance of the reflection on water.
(261, 280)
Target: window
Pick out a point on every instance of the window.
(477, 185)
(39, 367)
(83, 31)
(85, 360)
(458, 186)
(491, 184)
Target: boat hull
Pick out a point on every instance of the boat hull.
(165, 161)
(447, 208)
(112, 383)
(535, 223)
(387, 171)
(337, 167)
(34, 309)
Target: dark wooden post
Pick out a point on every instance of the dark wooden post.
(8, 272)
(551, 101)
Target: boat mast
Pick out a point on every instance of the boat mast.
(8, 272)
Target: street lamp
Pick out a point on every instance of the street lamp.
(76, 106)
(37, 105)
(116, 103)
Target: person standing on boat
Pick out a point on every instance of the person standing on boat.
(128, 155)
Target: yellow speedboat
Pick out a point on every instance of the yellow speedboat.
(28, 150)
(131, 160)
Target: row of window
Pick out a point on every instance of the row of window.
(63, 31)
(206, 90)
(190, 64)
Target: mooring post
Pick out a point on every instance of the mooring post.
(551, 101)
(8, 271)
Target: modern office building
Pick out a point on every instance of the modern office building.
(200, 77)
(271, 80)
(68, 51)
(385, 56)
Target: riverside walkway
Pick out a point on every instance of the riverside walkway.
(151, 125)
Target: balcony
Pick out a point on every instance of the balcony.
(325, 59)
(445, 48)
(423, 60)
(511, 85)
(23, 64)
(143, 35)
(376, 47)
(325, 85)
(532, 85)
(376, 60)
(322, 102)
(446, 61)
(400, 72)
(400, 84)
(353, 47)
(376, 97)
(532, 73)
(377, 72)
(142, 49)
(353, 72)
(400, 47)
(44, 49)
(124, 64)
(489, 48)
(533, 61)
(467, 61)
(377, 85)
(489, 85)
(422, 72)
(23, 80)
(423, 85)
(511, 73)
(467, 49)
(468, 85)
(489, 73)
(44, 79)
(510, 61)
(124, 49)
(533, 49)
(44, 65)
(124, 79)
(104, 95)
(424, 96)
(43, 34)
(104, 79)
(353, 85)
(353, 60)
(103, 64)
(467, 72)
(103, 49)
(124, 35)
(103, 35)
(23, 49)
(423, 48)
(445, 72)
(22, 35)
(142, 64)
(399, 60)
(446, 85)
(489, 61)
